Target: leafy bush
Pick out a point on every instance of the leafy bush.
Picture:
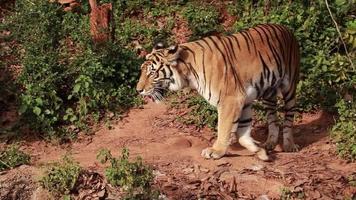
(203, 20)
(134, 178)
(12, 157)
(61, 177)
(344, 132)
(65, 78)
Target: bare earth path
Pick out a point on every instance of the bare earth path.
(174, 151)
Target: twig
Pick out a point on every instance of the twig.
(337, 28)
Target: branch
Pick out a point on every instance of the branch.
(337, 28)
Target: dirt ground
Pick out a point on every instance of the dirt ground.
(174, 150)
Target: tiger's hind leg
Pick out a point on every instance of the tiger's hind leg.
(244, 133)
(270, 104)
(289, 97)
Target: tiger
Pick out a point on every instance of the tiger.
(231, 72)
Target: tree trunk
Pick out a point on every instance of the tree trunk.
(100, 21)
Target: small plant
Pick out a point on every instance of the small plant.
(200, 114)
(12, 157)
(286, 194)
(61, 177)
(134, 178)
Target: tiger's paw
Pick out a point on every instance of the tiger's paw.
(209, 153)
(290, 147)
(262, 155)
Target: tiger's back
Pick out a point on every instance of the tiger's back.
(258, 57)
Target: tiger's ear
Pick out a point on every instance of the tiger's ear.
(173, 53)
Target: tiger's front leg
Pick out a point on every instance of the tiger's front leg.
(228, 112)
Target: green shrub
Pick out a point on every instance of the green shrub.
(202, 113)
(61, 177)
(65, 78)
(134, 178)
(344, 131)
(133, 33)
(203, 20)
(12, 157)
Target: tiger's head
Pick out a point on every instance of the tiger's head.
(159, 72)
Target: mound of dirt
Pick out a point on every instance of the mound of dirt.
(18, 184)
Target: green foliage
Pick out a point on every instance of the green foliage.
(12, 157)
(65, 78)
(61, 177)
(203, 20)
(134, 178)
(352, 180)
(133, 34)
(202, 113)
(287, 194)
(344, 131)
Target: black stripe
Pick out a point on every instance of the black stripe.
(170, 71)
(246, 40)
(219, 98)
(255, 28)
(262, 81)
(291, 109)
(243, 126)
(273, 82)
(289, 97)
(274, 52)
(222, 54)
(203, 64)
(258, 90)
(164, 73)
(191, 51)
(236, 121)
(209, 88)
(252, 40)
(229, 58)
(204, 40)
(282, 31)
(190, 67)
(246, 106)
(269, 103)
(266, 71)
(232, 48)
(237, 42)
(277, 38)
(244, 121)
